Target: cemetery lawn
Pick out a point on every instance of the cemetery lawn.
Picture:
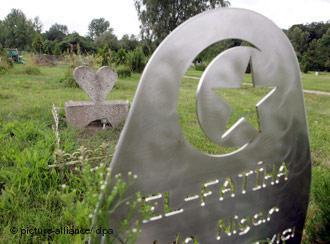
(34, 195)
(310, 80)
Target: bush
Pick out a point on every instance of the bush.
(200, 67)
(68, 80)
(105, 56)
(44, 60)
(123, 71)
(137, 60)
(3, 69)
(121, 57)
(31, 70)
(5, 62)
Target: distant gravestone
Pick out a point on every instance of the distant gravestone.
(97, 85)
(259, 192)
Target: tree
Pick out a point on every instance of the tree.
(76, 43)
(18, 30)
(38, 44)
(323, 50)
(57, 32)
(37, 25)
(299, 40)
(158, 18)
(311, 43)
(129, 43)
(137, 60)
(98, 27)
(310, 59)
(107, 39)
(2, 34)
(121, 56)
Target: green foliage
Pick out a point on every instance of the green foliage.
(123, 71)
(58, 189)
(312, 45)
(48, 46)
(107, 39)
(36, 195)
(68, 80)
(105, 56)
(74, 43)
(37, 44)
(3, 69)
(37, 25)
(75, 61)
(200, 66)
(121, 56)
(114, 196)
(56, 32)
(5, 62)
(318, 224)
(17, 30)
(129, 43)
(98, 27)
(31, 70)
(304, 67)
(158, 18)
(299, 40)
(137, 60)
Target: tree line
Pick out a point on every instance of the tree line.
(17, 31)
(312, 45)
(157, 19)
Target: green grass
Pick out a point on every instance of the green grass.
(34, 196)
(309, 80)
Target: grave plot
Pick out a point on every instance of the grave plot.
(98, 111)
(258, 191)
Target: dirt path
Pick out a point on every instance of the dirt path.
(322, 93)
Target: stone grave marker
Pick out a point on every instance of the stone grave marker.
(97, 85)
(258, 193)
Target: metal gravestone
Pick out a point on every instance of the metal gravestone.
(255, 194)
(97, 85)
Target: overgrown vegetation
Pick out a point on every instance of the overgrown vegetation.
(51, 175)
(317, 228)
(123, 71)
(5, 62)
(158, 18)
(46, 185)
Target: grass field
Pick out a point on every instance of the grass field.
(32, 195)
(310, 80)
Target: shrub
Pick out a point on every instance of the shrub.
(3, 69)
(121, 57)
(31, 70)
(305, 68)
(44, 60)
(5, 62)
(105, 56)
(137, 60)
(200, 67)
(68, 80)
(123, 71)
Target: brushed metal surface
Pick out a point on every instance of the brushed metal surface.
(207, 192)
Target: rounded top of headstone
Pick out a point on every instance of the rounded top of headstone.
(96, 84)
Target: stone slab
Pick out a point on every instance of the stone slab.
(81, 113)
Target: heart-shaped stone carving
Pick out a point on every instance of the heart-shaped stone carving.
(96, 85)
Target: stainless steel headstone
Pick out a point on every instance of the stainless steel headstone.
(257, 193)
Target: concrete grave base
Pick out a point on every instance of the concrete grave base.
(80, 114)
